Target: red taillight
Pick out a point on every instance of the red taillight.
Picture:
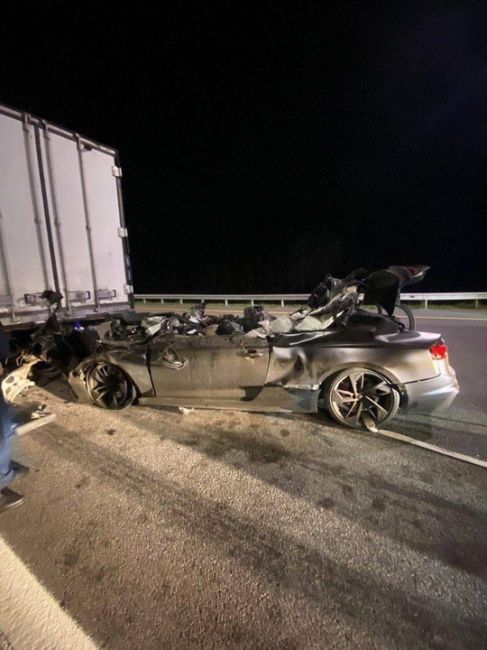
(439, 351)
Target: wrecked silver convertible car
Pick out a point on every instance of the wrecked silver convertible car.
(334, 355)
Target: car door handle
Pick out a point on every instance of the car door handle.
(171, 359)
(253, 354)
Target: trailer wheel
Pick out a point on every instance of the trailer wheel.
(109, 387)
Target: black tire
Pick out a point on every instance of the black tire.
(374, 309)
(405, 315)
(402, 313)
(109, 387)
(356, 391)
(43, 373)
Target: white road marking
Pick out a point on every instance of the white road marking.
(30, 618)
(438, 450)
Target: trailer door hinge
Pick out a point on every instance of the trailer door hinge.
(117, 171)
(128, 288)
(122, 232)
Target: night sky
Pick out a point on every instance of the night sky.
(263, 144)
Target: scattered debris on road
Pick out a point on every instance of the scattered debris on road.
(17, 382)
(185, 411)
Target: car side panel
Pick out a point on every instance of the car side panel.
(312, 364)
(225, 367)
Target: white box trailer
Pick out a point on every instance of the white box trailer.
(62, 224)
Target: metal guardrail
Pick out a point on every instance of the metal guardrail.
(252, 298)
(445, 296)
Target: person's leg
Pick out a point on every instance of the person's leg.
(7, 472)
(8, 498)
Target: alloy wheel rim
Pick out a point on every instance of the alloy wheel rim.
(107, 386)
(360, 393)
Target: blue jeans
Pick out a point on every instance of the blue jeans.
(7, 474)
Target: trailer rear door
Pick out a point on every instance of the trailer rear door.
(61, 221)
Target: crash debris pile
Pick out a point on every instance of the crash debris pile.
(256, 322)
(333, 303)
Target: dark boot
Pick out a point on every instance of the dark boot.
(9, 499)
(19, 469)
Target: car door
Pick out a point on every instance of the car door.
(218, 367)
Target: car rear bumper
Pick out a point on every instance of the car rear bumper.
(430, 395)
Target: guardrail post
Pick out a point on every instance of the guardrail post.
(282, 303)
(162, 301)
(252, 302)
(477, 303)
(426, 304)
(180, 301)
(226, 302)
(144, 300)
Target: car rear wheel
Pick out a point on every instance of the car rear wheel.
(109, 387)
(359, 397)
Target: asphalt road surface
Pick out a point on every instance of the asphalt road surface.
(463, 427)
(241, 530)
